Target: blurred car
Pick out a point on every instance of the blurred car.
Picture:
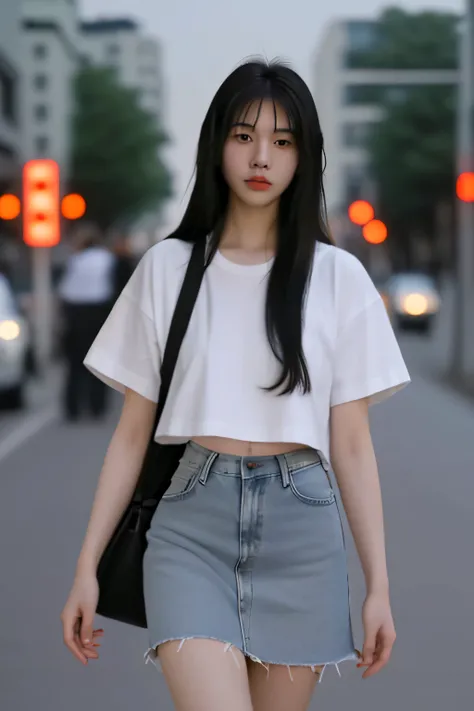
(15, 342)
(413, 301)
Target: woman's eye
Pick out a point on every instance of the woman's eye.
(243, 137)
(282, 142)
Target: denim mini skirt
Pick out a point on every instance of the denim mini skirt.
(250, 551)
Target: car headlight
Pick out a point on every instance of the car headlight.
(415, 304)
(9, 330)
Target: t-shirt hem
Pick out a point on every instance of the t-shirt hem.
(186, 431)
(376, 390)
(116, 376)
(181, 435)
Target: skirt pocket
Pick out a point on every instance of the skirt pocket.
(182, 483)
(311, 485)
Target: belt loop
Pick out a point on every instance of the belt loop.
(324, 462)
(285, 475)
(207, 468)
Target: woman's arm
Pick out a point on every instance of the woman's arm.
(116, 485)
(355, 467)
(118, 478)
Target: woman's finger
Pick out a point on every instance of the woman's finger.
(378, 665)
(87, 651)
(95, 641)
(368, 648)
(86, 630)
(70, 640)
(382, 654)
(83, 646)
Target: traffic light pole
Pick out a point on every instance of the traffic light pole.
(43, 306)
(463, 342)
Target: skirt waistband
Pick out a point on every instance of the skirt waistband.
(249, 467)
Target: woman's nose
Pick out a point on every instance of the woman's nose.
(259, 163)
(260, 158)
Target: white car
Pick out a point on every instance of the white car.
(413, 301)
(14, 346)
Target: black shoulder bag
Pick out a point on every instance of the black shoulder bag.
(120, 571)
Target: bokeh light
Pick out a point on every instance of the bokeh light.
(465, 187)
(73, 206)
(10, 207)
(361, 212)
(375, 232)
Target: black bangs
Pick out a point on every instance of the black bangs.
(265, 87)
(244, 106)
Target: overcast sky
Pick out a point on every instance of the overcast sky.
(203, 40)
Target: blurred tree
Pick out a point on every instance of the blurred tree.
(402, 40)
(116, 163)
(412, 149)
(412, 153)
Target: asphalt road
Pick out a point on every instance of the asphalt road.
(424, 441)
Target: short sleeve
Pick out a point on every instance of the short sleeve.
(367, 361)
(126, 352)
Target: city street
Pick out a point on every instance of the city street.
(122, 124)
(424, 443)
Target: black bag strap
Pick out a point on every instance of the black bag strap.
(180, 322)
(151, 481)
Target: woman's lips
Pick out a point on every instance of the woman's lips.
(258, 184)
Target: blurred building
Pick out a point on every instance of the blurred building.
(50, 57)
(10, 117)
(121, 44)
(348, 97)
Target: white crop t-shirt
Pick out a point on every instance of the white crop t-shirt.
(225, 359)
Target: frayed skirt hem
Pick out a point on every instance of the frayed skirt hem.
(317, 667)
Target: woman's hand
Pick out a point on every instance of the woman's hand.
(78, 616)
(379, 633)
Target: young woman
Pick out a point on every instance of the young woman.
(289, 342)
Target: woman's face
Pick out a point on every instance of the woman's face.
(260, 159)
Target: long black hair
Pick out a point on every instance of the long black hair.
(302, 209)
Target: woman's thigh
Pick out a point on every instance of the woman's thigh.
(205, 675)
(281, 688)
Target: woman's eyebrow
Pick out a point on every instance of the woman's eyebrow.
(243, 124)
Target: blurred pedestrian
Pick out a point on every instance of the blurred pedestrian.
(245, 574)
(124, 264)
(86, 292)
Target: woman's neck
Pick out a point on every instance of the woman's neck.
(250, 229)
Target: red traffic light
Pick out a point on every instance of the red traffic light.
(41, 218)
(465, 187)
(360, 212)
